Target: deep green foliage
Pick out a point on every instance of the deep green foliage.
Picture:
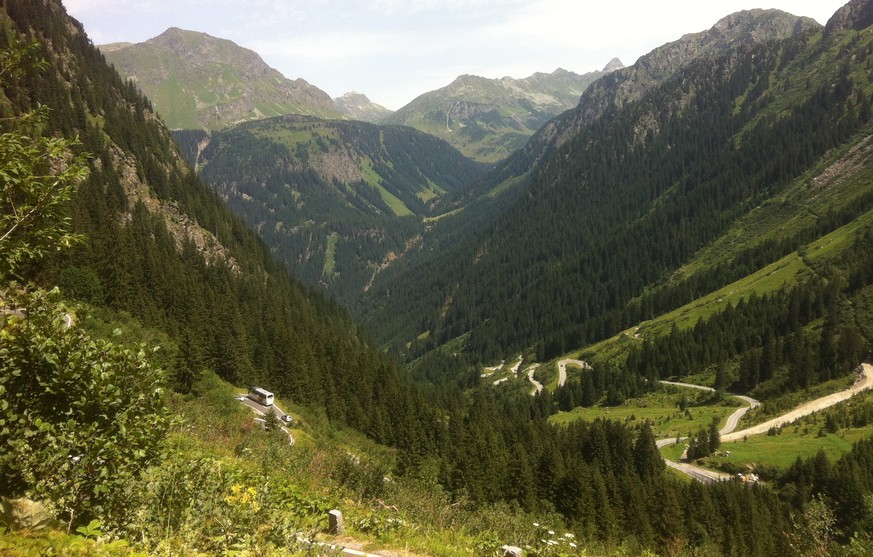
(37, 175)
(81, 418)
(300, 180)
(572, 254)
(844, 486)
(705, 442)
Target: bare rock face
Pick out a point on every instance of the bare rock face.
(613, 65)
(856, 15)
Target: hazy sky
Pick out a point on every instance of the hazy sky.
(394, 50)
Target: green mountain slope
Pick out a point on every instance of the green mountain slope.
(487, 119)
(163, 248)
(337, 201)
(612, 198)
(199, 81)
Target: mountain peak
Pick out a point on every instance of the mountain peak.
(759, 25)
(613, 65)
(197, 48)
(856, 15)
(196, 80)
(358, 106)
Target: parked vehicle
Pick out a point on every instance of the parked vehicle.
(261, 396)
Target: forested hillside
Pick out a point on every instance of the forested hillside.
(336, 201)
(589, 240)
(161, 246)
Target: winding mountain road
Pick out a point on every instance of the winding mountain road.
(562, 369)
(702, 474)
(262, 410)
(864, 382)
(538, 387)
(728, 433)
(734, 419)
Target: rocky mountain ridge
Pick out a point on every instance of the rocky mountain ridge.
(630, 83)
(856, 15)
(197, 81)
(487, 119)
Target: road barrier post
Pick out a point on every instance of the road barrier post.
(335, 523)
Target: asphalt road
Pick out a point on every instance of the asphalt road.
(728, 433)
(734, 419)
(702, 474)
(262, 410)
(537, 385)
(864, 381)
(562, 369)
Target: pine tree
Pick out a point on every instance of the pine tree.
(713, 437)
(647, 458)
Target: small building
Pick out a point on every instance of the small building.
(261, 396)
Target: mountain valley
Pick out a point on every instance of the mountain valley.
(336, 200)
(490, 316)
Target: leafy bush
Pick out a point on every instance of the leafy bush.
(79, 418)
(377, 524)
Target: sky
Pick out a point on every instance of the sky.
(394, 50)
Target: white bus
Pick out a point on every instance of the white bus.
(262, 397)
